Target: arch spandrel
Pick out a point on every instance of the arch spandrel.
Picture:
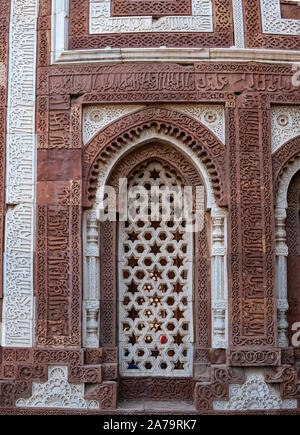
(169, 125)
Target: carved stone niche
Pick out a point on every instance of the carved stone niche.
(103, 296)
(287, 248)
(293, 259)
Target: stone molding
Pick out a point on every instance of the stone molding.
(83, 49)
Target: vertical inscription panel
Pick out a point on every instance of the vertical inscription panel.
(252, 256)
(58, 275)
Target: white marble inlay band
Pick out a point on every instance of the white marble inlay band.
(18, 301)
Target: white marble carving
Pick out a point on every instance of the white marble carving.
(96, 117)
(156, 295)
(238, 22)
(284, 182)
(285, 124)
(219, 280)
(211, 115)
(91, 270)
(18, 301)
(272, 21)
(281, 276)
(57, 392)
(102, 22)
(282, 250)
(254, 394)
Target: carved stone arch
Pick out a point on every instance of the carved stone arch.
(283, 158)
(285, 177)
(174, 126)
(130, 165)
(293, 259)
(286, 163)
(211, 296)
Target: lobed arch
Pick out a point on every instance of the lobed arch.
(283, 159)
(150, 143)
(286, 163)
(167, 125)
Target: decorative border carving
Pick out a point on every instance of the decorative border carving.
(286, 163)
(4, 55)
(209, 149)
(255, 393)
(125, 8)
(101, 22)
(79, 37)
(108, 300)
(157, 388)
(244, 358)
(253, 314)
(272, 22)
(254, 36)
(18, 307)
(58, 277)
(283, 159)
(97, 116)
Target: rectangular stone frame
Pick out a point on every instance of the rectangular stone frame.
(79, 37)
(255, 38)
(61, 92)
(106, 83)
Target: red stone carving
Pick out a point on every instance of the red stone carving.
(253, 309)
(208, 148)
(254, 38)
(79, 37)
(156, 388)
(218, 388)
(93, 356)
(254, 358)
(290, 9)
(61, 93)
(287, 378)
(106, 394)
(58, 275)
(81, 374)
(164, 83)
(154, 8)
(205, 394)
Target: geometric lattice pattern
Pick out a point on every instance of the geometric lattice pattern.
(155, 289)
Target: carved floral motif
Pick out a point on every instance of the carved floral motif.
(57, 392)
